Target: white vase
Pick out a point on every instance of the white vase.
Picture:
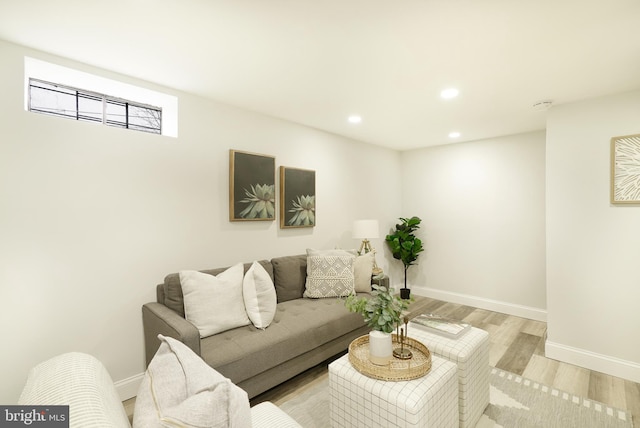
(380, 347)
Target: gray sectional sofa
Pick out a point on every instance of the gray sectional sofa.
(304, 332)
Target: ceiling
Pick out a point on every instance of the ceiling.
(316, 62)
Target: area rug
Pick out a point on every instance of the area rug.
(514, 402)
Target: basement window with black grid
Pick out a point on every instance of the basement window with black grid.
(73, 103)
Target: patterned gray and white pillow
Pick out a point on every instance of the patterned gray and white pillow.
(329, 275)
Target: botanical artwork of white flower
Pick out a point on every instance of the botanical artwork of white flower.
(304, 211)
(626, 179)
(261, 202)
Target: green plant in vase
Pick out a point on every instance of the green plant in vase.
(405, 246)
(382, 312)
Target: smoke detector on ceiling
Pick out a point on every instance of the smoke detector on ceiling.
(542, 105)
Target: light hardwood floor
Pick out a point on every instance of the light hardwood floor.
(516, 345)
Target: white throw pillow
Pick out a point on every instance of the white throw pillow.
(214, 303)
(329, 274)
(259, 294)
(180, 389)
(362, 270)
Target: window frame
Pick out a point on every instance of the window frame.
(95, 96)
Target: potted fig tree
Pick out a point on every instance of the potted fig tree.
(382, 312)
(405, 246)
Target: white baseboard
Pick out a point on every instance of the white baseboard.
(483, 303)
(128, 388)
(593, 361)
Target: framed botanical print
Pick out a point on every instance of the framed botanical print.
(625, 169)
(297, 197)
(252, 186)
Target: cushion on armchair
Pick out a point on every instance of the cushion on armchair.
(180, 389)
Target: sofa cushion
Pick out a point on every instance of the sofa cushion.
(329, 275)
(259, 296)
(300, 326)
(172, 297)
(289, 276)
(362, 271)
(180, 389)
(214, 303)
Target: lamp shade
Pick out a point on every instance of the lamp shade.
(365, 229)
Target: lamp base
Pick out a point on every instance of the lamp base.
(365, 248)
(402, 354)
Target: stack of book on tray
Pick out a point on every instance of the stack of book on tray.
(441, 325)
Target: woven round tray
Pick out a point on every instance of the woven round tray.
(397, 369)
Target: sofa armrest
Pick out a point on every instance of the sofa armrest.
(268, 415)
(158, 319)
(79, 381)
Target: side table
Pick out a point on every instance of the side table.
(470, 352)
(356, 400)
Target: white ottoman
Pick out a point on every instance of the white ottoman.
(470, 352)
(356, 400)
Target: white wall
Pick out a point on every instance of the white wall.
(483, 226)
(94, 217)
(593, 247)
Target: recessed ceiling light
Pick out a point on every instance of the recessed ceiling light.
(355, 119)
(449, 93)
(454, 134)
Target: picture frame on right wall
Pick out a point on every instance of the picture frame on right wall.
(297, 197)
(625, 169)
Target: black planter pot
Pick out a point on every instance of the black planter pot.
(405, 293)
